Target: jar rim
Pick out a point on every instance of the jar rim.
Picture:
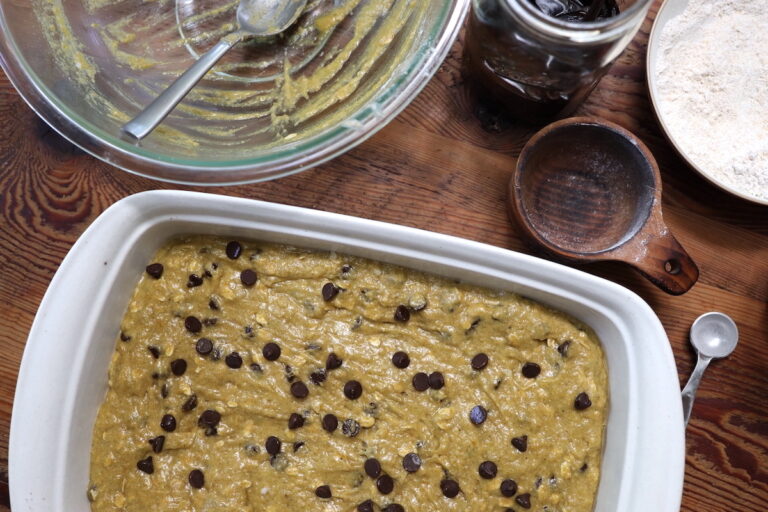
(583, 32)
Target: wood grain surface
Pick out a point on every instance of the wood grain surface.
(443, 165)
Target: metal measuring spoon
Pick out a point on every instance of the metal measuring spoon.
(254, 18)
(714, 336)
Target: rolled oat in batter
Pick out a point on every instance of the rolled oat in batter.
(257, 377)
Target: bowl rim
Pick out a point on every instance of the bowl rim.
(645, 426)
(354, 130)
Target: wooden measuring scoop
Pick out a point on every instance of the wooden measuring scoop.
(589, 190)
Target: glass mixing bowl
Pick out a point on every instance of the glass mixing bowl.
(271, 107)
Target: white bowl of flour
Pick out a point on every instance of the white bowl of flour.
(708, 81)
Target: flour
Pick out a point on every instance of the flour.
(713, 90)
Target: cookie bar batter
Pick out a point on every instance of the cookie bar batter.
(251, 376)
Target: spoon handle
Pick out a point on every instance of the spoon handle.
(141, 125)
(689, 391)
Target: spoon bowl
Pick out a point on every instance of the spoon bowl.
(588, 190)
(714, 335)
(268, 17)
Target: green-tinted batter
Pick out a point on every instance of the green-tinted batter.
(559, 469)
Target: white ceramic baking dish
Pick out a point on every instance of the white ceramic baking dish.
(63, 374)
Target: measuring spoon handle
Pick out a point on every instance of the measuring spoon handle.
(148, 119)
(689, 391)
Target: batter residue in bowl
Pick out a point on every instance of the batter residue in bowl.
(339, 55)
(251, 376)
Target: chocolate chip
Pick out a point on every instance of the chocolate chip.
(157, 443)
(478, 414)
(194, 280)
(372, 467)
(297, 446)
(168, 423)
(192, 324)
(353, 389)
(450, 488)
(330, 422)
(345, 269)
(273, 445)
(329, 291)
(584, 467)
(234, 360)
(508, 488)
(521, 443)
(196, 479)
(204, 346)
(256, 368)
(366, 506)
(213, 304)
(420, 381)
(401, 360)
(487, 470)
(295, 421)
(323, 492)
(411, 462)
(190, 403)
(393, 507)
(164, 390)
(233, 250)
(436, 380)
(155, 270)
(299, 389)
(178, 367)
(209, 418)
(531, 370)
(154, 351)
(271, 351)
(124, 337)
(402, 314)
(563, 348)
(385, 484)
(479, 362)
(524, 500)
(248, 277)
(350, 428)
(318, 376)
(582, 401)
(146, 465)
(333, 362)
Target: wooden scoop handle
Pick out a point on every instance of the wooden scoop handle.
(667, 265)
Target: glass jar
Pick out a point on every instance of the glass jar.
(538, 66)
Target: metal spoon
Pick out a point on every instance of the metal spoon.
(714, 336)
(254, 18)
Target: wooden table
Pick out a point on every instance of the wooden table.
(443, 165)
